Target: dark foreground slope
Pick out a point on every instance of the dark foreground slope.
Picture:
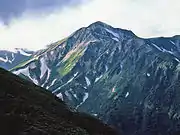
(26, 109)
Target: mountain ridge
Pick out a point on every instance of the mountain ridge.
(114, 75)
(11, 58)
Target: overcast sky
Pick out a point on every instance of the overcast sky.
(33, 24)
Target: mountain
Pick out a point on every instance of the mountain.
(26, 109)
(127, 81)
(11, 58)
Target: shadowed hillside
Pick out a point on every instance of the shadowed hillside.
(26, 109)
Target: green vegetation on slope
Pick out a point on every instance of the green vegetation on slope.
(36, 57)
(22, 63)
(68, 64)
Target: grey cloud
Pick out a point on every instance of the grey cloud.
(14, 8)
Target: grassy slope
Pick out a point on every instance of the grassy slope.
(27, 109)
(35, 57)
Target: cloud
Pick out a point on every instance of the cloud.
(15, 8)
(145, 18)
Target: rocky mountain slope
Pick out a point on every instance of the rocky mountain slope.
(26, 109)
(11, 58)
(127, 81)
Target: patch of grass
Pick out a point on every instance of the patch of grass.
(68, 64)
(23, 63)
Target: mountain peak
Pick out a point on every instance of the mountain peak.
(101, 24)
(98, 23)
(109, 28)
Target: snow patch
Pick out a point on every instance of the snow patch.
(113, 33)
(13, 57)
(70, 80)
(127, 94)
(49, 71)
(113, 89)
(75, 96)
(87, 81)
(23, 52)
(148, 74)
(97, 79)
(106, 68)
(52, 52)
(44, 67)
(48, 76)
(63, 85)
(75, 74)
(85, 97)
(25, 72)
(60, 96)
(35, 81)
(177, 59)
(116, 39)
(52, 83)
(4, 60)
(162, 49)
(157, 47)
(172, 42)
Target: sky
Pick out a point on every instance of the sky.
(34, 24)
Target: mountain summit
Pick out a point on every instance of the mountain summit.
(99, 24)
(127, 81)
